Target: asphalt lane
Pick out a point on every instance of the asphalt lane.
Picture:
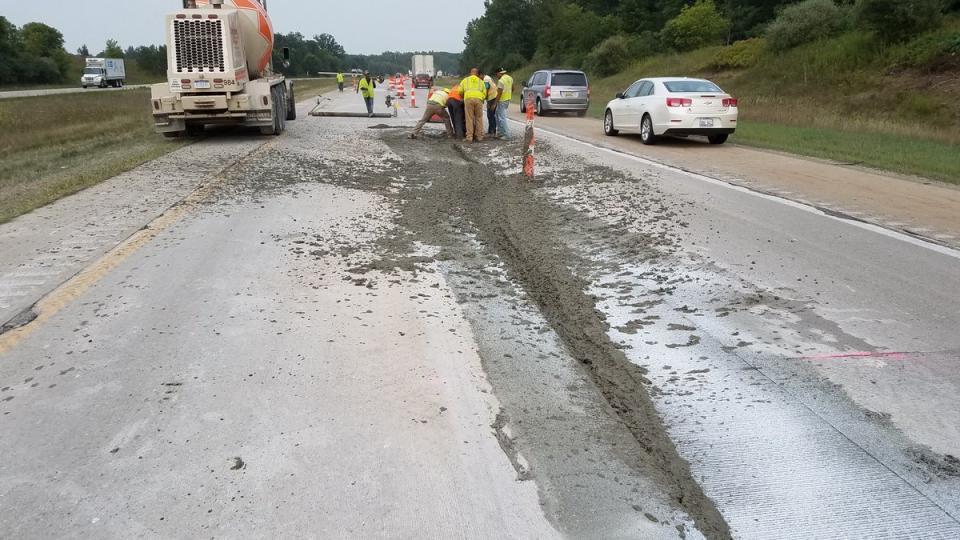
(57, 91)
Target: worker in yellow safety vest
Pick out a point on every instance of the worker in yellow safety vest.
(365, 89)
(474, 93)
(436, 105)
(340, 81)
(504, 95)
(491, 104)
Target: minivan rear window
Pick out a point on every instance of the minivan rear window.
(692, 86)
(569, 79)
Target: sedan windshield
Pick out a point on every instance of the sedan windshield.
(692, 86)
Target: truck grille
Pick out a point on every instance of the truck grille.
(199, 45)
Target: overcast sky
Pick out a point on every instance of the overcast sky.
(362, 27)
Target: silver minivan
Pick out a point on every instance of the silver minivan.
(556, 90)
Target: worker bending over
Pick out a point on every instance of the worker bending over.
(436, 105)
(474, 93)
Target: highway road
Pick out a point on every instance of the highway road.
(56, 91)
(342, 332)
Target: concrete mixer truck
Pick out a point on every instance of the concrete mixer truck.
(219, 70)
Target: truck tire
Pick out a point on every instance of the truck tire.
(291, 105)
(277, 99)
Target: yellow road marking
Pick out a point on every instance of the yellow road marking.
(73, 288)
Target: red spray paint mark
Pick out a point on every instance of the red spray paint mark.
(857, 354)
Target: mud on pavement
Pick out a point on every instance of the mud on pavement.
(497, 236)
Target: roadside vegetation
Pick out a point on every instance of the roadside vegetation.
(53, 146)
(33, 56)
(875, 82)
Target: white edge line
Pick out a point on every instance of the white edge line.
(943, 250)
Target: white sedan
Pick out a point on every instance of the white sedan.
(672, 106)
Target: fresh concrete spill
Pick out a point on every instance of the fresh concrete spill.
(776, 466)
(778, 463)
(558, 425)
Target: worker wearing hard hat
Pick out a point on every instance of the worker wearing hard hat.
(340, 81)
(365, 89)
(474, 93)
(436, 105)
(455, 108)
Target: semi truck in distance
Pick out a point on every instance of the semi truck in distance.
(220, 70)
(103, 72)
(423, 63)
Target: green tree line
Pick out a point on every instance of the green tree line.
(605, 35)
(322, 53)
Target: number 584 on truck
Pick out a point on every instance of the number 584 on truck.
(219, 70)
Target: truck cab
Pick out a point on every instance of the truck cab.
(219, 70)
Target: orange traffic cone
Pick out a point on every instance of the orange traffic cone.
(413, 94)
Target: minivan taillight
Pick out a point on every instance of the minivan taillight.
(729, 102)
(679, 102)
(546, 92)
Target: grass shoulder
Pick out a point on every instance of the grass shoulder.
(845, 98)
(54, 146)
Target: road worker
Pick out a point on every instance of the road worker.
(455, 108)
(436, 105)
(365, 89)
(340, 81)
(491, 104)
(504, 95)
(474, 94)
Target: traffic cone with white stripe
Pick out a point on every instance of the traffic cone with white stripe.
(413, 94)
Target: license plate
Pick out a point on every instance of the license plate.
(706, 122)
(201, 84)
(569, 94)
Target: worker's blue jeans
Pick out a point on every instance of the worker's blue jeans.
(369, 102)
(502, 127)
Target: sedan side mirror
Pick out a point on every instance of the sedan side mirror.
(523, 84)
(620, 95)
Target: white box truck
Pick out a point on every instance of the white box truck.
(423, 63)
(220, 70)
(103, 72)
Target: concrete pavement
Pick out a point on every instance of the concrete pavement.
(916, 206)
(350, 334)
